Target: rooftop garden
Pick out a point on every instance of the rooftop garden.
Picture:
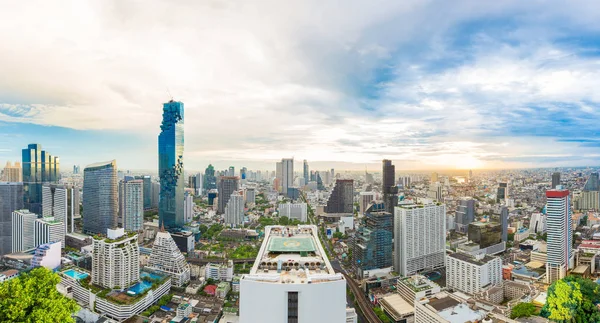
(116, 296)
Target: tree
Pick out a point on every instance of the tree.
(523, 310)
(32, 297)
(381, 315)
(203, 228)
(338, 235)
(284, 220)
(564, 299)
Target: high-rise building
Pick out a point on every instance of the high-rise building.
(188, 207)
(279, 176)
(472, 274)
(389, 188)
(48, 230)
(131, 204)
(76, 169)
(231, 171)
(115, 260)
(292, 280)
(365, 200)
(419, 238)
(504, 223)
(558, 213)
(38, 167)
(296, 211)
(155, 195)
(435, 191)
(341, 199)
(373, 246)
(485, 234)
(23, 237)
(538, 223)
(11, 199)
(434, 177)
(47, 255)
(555, 179)
(227, 185)
(100, 197)
(287, 171)
(12, 173)
(369, 177)
(170, 166)
(464, 215)
(251, 195)
(61, 202)
(147, 181)
(199, 184)
(590, 196)
(234, 210)
(306, 172)
(167, 258)
(210, 181)
(502, 193)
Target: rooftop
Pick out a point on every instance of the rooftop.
(397, 306)
(470, 259)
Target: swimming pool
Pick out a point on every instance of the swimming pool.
(140, 287)
(144, 274)
(75, 274)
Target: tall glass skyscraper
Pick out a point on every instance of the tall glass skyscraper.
(39, 167)
(100, 191)
(170, 166)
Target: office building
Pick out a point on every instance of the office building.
(558, 217)
(11, 199)
(100, 197)
(115, 260)
(502, 192)
(168, 259)
(435, 191)
(231, 171)
(416, 287)
(12, 173)
(155, 195)
(590, 196)
(292, 280)
(47, 255)
(485, 234)
(464, 215)
(250, 195)
(287, 172)
(389, 188)
(131, 204)
(227, 185)
(210, 180)
(365, 199)
(555, 180)
(504, 223)
(404, 181)
(188, 208)
(23, 237)
(538, 224)
(76, 169)
(472, 274)
(419, 238)
(48, 230)
(306, 172)
(61, 202)
(296, 211)
(234, 211)
(184, 240)
(220, 272)
(147, 187)
(170, 166)
(199, 184)
(372, 245)
(341, 199)
(38, 167)
(279, 177)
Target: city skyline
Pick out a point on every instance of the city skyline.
(428, 85)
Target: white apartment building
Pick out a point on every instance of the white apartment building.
(558, 213)
(287, 172)
(131, 204)
(222, 272)
(48, 230)
(234, 211)
(419, 237)
(115, 259)
(188, 208)
(62, 203)
(292, 280)
(537, 223)
(250, 195)
(23, 237)
(167, 258)
(296, 211)
(47, 255)
(472, 274)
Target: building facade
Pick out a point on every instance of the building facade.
(39, 167)
(341, 199)
(558, 213)
(47, 230)
(234, 211)
(226, 186)
(389, 188)
(131, 204)
(170, 165)
(100, 197)
(472, 274)
(61, 202)
(296, 211)
(465, 214)
(167, 258)
(12, 173)
(12, 199)
(373, 246)
(115, 260)
(23, 237)
(287, 170)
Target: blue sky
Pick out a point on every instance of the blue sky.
(429, 84)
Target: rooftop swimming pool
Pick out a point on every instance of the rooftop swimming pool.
(143, 285)
(75, 274)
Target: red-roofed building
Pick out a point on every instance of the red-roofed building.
(8, 275)
(210, 290)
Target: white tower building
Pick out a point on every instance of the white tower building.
(48, 230)
(287, 181)
(62, 203)
(22, 230)
(115, 260)
(559, 228)
(131, 204)
(167, 258)
(188, 208)
(472, 274)
(234, 211)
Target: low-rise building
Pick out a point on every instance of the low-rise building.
(446, 308)
(416, 287)
(222, 289)
(222, 272)
(472, 274)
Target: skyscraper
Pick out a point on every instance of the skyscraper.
(464, 215)
(188, 207)
(170, 166)
(231, 171)
(234, 211)
(12, 173)
(555, 179)
(199, 184)
(341, 199)
(147, 190)
(11, 199)
(227, 185)
(100, 195)
(210, 181)
(23, 237)
(590, 197)
(306, 172)
(287, 171)
(131, 204)
(504, 222)
(373, 241)
(279, 176)
(48, 230)
(558, 213)
(389, 188)
(61, 202)
(502, 192)
(38, 167)
(115, 261)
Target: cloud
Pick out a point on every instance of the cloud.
(457, 84)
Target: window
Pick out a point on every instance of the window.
(292, 307)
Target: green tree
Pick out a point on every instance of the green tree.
(523, 310)
(284, 220)
(564, 299)
(32, 297)
(381, 315)
(338, 235)
(203, 228)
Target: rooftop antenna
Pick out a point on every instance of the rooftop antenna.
(170, 96)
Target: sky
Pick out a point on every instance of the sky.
(344, 84)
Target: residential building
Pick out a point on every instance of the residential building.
(131, 204)
(168, 259)
(170, 166)
(555, 179)
(419, 237)
(47, 230)
(504, 223)
(62, 203)
(11, 197)
(465, 214)
(365, 199)
(590, 196)
(221, 272)
(226, 186)
(115, 260)
(287, 171)
(292, 263)
(341, 199)
(250, 195)
(39, 167)
(234, 211)
(278, 177)
(558, 213)
(147, 187)
(100, 202)
(155, 195)
(436, 191)
(47, 255)
(372, 248)
(306, 172)
(23, 223)
(472, 274)
(222, 289)
(188, 208)
(296, 211)
(446, 308)
(12, 173)
(388, 186)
